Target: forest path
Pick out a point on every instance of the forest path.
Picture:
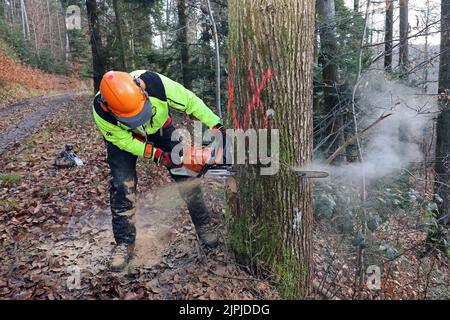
(55, 225)
(21, 119)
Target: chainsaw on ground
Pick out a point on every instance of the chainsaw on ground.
(68, 158)
(203, 161)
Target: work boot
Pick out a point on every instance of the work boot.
(120, 257)
(207, 235)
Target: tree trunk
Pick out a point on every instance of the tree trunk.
(356, 5)
(122, 55)
(271, 226)
(13, 9)
(443, 122)
(183, 42)
(96, 43)
(330, 74)
(27, 24)
(427, 48)
(150, 31)
(66, 35)
(217, 51)
(389, 35)
(404, 31)
(50, 28)
(61, 42)
(5, 10)
(22, 16)
(132, 44)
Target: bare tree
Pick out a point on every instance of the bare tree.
(389, 35)
(330, 73)
(404, 32)
(50, 27)
(96, 43)
(184, 46)
(118, 25)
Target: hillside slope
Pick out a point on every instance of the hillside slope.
(19, 81)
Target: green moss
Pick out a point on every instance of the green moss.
(258, 246)
(290, 274)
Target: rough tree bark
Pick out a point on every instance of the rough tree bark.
(183, 42)
(118, 24)
(389, 35)
(404, 31)
(427, 47)
(271, 226)
(22, 16)
(50, 27)
(5, 6)
(330, 74)
(13, 18)
(96, 43)
(443, 122)
(212, 21)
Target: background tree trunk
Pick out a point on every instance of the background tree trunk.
(427, 47)
(389, 35)
(330, 74)
(217, 54)
(272, 215)
(96, 43)
(122, 55)
(183, 41)
(22, 16)
(443, 122)
(356, 5)
(404, 31)
(50, 27)
(13, 13)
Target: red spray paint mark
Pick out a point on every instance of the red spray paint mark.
(255, 101)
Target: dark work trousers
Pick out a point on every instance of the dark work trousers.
(124, 182)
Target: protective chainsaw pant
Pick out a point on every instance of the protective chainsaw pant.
(124, 182)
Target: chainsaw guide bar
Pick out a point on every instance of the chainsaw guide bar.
(310, 174)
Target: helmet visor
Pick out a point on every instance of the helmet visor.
(140, 119)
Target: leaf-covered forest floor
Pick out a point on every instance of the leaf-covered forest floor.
(54, 223)
(415, 273)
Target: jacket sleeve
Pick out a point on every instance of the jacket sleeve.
(122, 138)
(180, 98)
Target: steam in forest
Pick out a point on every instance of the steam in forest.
(398, 140)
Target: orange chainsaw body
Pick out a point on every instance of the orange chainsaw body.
(195, 158)
(198, 161)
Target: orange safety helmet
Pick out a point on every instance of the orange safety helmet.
(124, 97)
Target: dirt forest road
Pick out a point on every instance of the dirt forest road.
(23, 118)
(55, 225)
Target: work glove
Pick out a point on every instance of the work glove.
(221, 129)
(163, 158)
(226, 140)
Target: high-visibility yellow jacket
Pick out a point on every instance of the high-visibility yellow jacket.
(163, 93)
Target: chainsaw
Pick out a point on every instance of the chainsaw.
(203, 161)
(67, 158)
(208, 161)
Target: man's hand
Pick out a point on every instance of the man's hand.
(163, 158)
(220, 128)
(226, 140)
